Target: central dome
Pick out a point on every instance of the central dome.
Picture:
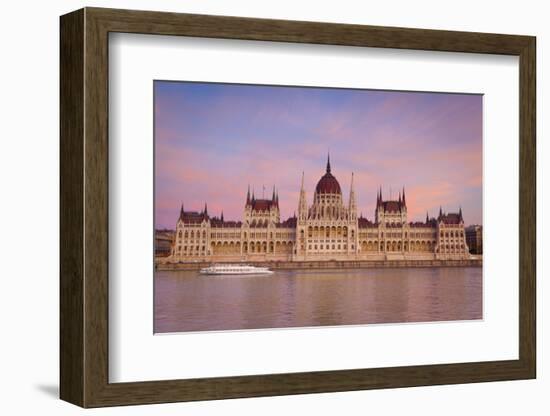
(328, 184)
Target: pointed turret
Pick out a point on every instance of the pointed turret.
(460, 214)
(248, 195)
(221, 216)
(205, 209)
(273, 195)
(328, 163)
(427, 218)
(352, 202)
(404, 202)
(181, 212)
(302, 203)
(399, 199)
(440, 213)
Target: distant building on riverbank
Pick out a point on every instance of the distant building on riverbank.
(474, 239)
(328, 229)
(163, 242)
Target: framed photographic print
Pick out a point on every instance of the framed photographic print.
(256, 207)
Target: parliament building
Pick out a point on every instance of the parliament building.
(328, 229)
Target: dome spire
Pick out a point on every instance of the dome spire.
(328, 184)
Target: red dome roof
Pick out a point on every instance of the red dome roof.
(328, 183)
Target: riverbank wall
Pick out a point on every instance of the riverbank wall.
(327, 265)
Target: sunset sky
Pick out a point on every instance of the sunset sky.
(212, 140)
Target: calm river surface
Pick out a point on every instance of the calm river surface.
(187, 301)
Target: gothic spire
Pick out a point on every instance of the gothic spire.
(221, 217)
(181, 211)
(328, 163)
(248, 196)
(440, 212)
(205, 209)
(351, 194)
(404, 203)
(427, 218)
(460, 213)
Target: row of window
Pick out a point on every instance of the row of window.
(198, 234)
(225, 235)
(328, 234)
(452, 247)
(329, 247)
(192, 234)
(191, 249)
(451, 234)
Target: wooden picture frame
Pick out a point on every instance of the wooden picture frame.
(84, 207)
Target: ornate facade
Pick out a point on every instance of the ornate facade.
(328, 229)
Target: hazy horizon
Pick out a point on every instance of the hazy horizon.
(213, 140)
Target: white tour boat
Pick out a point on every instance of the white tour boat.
(235, 269)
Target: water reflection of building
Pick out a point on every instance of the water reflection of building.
(328, 229)
(474, 239)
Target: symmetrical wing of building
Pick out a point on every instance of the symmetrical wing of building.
(328, 229)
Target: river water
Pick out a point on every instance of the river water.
(188, 301)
